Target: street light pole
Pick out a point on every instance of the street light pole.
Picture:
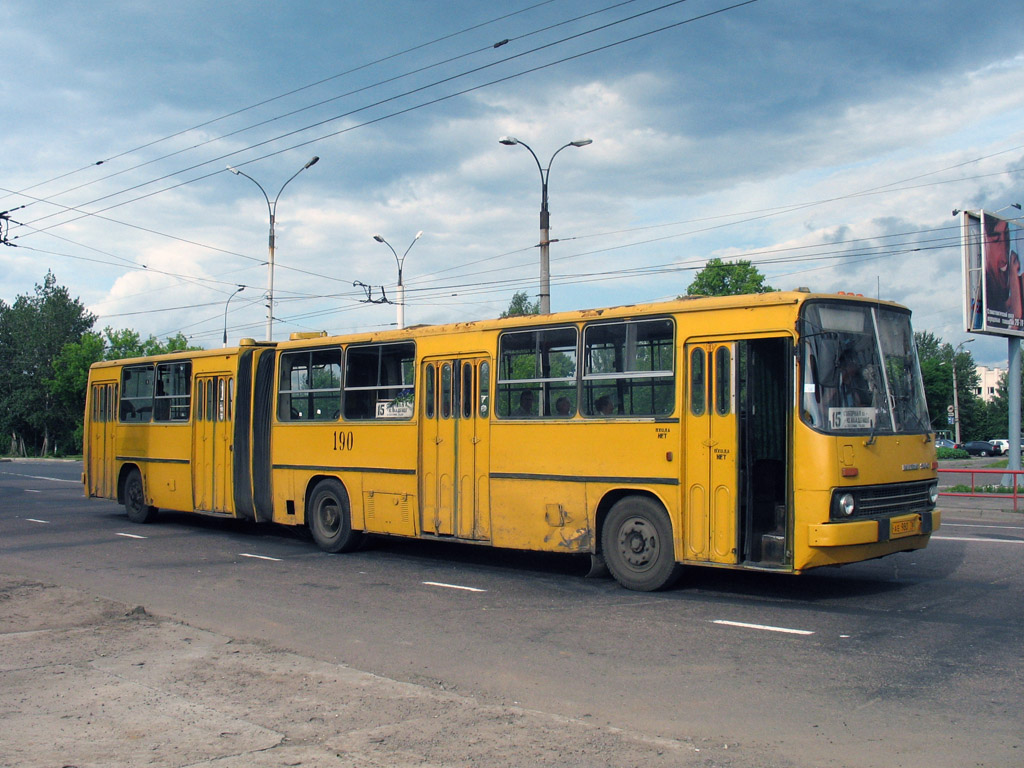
(401, 265)
(272, 209)
(545, 242)
(226, 303)
(956, 398)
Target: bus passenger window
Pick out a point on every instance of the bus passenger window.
(535, 368)
(379, 381)
(309, 385)
(173, 391)
(137, 393)
(628, 368)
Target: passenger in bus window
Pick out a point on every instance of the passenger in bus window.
(563, 407)
(604, 406)
(853, 387)
(525, 409)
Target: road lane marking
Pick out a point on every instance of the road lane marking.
(131, 535)
(40, 477)
(977, 538)
(764, 627)
(979, 525)
(260, 557)
(32, 490)
(452, 586)
(33, 520)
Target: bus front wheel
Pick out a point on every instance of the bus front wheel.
(637, 545)
(135, 499)
(329, 519)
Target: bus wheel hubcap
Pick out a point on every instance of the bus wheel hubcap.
(638, 542)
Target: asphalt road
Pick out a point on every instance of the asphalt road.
(913, 660)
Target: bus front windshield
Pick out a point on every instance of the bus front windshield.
(859, 370)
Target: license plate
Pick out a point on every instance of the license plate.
(902, 527)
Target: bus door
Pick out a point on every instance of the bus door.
(454, 492)
(712, 445)
(102, 430)
(211, 443)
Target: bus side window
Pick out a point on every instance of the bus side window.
(446, 391)
(137, 393)
(430, 393)
(485, 387)
(723, 381)
(698, 388)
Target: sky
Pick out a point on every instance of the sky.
(826, 142)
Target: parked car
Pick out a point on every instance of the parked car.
(982, 448)
(1004, 445)
(943, 443)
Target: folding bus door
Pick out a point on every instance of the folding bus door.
(102, 432)
(211, 443)
(712, 447)
(454, 436)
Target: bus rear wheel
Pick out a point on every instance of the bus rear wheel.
(135, 499)
(329, 518)
(637, 545)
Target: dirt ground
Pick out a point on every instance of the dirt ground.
(89, 682)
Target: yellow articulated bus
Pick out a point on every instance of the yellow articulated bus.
(780, 432)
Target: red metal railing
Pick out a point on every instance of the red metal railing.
(1013, 491)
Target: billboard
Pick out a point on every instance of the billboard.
(993, 271)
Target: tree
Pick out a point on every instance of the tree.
(937, 359)
(33, 332)
(719, 278)
(521, 305)
(127, 343)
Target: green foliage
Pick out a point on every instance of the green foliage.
(127, 343)
(719, 278)
(937, 359)
(952, 453)
(35, 408)
(521, 305)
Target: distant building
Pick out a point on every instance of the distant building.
(988, 382)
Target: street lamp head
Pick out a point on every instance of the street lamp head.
(378, 238)
(581, 142)
(508, 141)
(311, 163)
(234, 170)
(418, 236)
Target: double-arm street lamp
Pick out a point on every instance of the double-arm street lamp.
(545, 274)
(272, 209)
(401, 265)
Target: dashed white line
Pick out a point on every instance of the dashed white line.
(41, 477)
(260, 557)
(33, 520)
(452, 586)
(131, 535)
(977, 538)
(763, 627)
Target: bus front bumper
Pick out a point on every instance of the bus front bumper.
(872, 531)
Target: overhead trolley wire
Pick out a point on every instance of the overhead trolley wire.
(406, 110)
(278, 97)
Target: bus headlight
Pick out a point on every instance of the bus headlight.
(933, 493)
(846, 504)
